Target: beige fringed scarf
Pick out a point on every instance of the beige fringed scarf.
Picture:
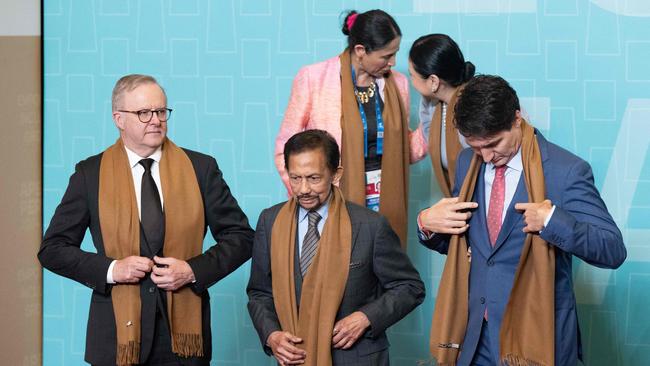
(393, 198)
(120, 227)
(527, 334)
(445, 177)
(323, 285)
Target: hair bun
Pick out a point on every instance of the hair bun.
(470, 69)
(346, 28)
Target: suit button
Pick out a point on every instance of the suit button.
(152, 289)
(482, 300)
(490, 263)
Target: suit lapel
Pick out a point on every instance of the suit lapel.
(479, 239)
(513, 217)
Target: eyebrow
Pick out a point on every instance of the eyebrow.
(493, 142)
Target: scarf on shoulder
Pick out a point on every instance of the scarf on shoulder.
(120, 228)
(527, 334)
(393, 198)
(445, 177)
(323, 285)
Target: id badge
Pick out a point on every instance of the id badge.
(373, 189)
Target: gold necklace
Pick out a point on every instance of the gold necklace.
(364, 96)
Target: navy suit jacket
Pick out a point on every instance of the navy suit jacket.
(581, 226)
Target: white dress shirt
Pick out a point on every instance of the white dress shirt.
(514, 169)
(137, 170)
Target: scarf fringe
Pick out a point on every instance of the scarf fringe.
(128, 354)
(516, 360)
(187, 345)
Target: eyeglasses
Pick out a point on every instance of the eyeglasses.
(145, 115)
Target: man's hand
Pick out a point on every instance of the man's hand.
(535, 215)
(283, 346)
(447, 216)
(349, 329)
(171, 274)
(131, 269)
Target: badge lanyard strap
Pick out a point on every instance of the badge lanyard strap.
(364, 120)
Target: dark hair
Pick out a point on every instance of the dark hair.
(438, 54)
(486, 106)
(312, 140)
(373, 29)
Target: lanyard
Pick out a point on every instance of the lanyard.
(364, 119)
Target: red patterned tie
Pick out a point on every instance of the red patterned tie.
(497, 198)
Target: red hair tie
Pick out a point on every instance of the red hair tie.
(351, 19)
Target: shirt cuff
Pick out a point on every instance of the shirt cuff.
(548, 218)
(426, 234)
(109, 273)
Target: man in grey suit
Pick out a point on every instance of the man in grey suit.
(363, 276)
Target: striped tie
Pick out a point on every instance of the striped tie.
(310, 242)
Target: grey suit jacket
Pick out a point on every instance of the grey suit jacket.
(382, 283)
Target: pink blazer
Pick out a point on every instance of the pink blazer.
(315, 103)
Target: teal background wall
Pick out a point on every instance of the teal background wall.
(579, 66)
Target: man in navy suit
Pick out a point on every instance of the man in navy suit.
(573, 220)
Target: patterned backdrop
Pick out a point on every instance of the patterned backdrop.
(579, 66)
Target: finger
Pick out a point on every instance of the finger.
(161, 271)
(337, 338)
(459, 206)
(349, 343)
(163, 260)
(450, 200)
(140, 266)
(459, 216)
(522, 206)
(456, 231)
(455, 224)
(290, 352)
(294, 339)
(341, 343)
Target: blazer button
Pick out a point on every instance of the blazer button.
(490, 263)
(152, 289)
(482, 300)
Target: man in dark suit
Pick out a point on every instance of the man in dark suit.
(147, 204)
(526, 207)
(328, 277)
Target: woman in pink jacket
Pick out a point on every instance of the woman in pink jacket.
(359, 100)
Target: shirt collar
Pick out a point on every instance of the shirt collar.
(134, 159)
(322, 211)
(514, 163)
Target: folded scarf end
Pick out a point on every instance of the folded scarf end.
(187, 345)
(516, 360)
(128, 354)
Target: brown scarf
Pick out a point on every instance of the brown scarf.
(120, 227)
(527, 334)
(324, 284)
(393, 198)
(444, 176)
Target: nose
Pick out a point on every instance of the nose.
(154, 119)
(304, 187)
(392, 61)
(487, 155)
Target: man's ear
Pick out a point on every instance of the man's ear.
(118, 120)
(518, 118)
(337, 175)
